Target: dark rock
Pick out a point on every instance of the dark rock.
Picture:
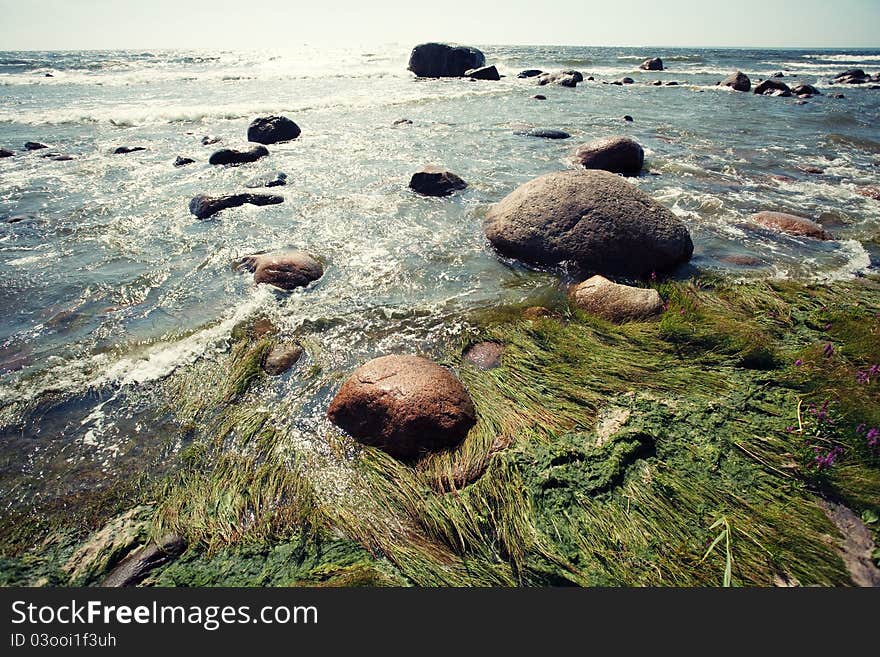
(6, 153)
(203, 206)
(777, 75)
(768, 87)
(404, 405)
(614, 154)
(561, 79)
(653, 64)
(59, 157)
(539, 97)
(484, 355)
(615, 302)
(594, 218)
(277, 179)
(183, 161)
(656, 83)
(124, 150)
(623, 81)
(545, 133)
(790, 224)
(806, 89)
(285, 269)
(272, 130)
(282, 357)
(812, 170)
(529, 73)
(435, 181)
(135, 567)
(402, 122)
(852, 76)
(671, 83)
(231, 156)
(837, 96)
(591, 79)
(627, 118)
(484, 73)
(207, 140)
(439, 60)
(48, 75)
(577, 75)
(34, 146)
(738, 81)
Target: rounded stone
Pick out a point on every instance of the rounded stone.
(615, 302)
(614, 154)
(790, 224)
(287, 269)
(272, 130)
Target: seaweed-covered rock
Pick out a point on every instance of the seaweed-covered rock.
(204, 206)
(594, 218)
(282, 357)
(738, 81)
(435, 181)
(141, 561)
(791, 224)
(232, 156)
(439, 60)
(614, 154)
(272, 130)
(615, 302)
(404, 405)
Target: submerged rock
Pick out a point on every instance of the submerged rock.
(484, 355)
(207, 140)
(183, 161)
(402, 122)
(772, 87)
(287, 270)
(791, 224)
(204, 206)
(232, 156)
(544, 133)
(282, 357)
(530, 73)
(404, 405)
(623, 81)
(615, 302)
(141, 561)
(614, 154)
(738, 81)
(272, 130)
(125, 150)
(34, 146)
(484, 73)
(594, 218)
(539, 97)
(277, 179)
(439, 60)
(435, 181)
(652, 64)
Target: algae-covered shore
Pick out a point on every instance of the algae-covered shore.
(727, 442)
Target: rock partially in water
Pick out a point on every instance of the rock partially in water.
(652, 64)
(806, 89)
(405, 405)
(544, 133)
(287, 270)
(791, 224)
(852, 76)
(272, 130)
(483, 73)
(439, 60)
(738, 81)
(277, 179)
(562, 78)
(869, 191)
(125, 150)
(282, 357)
(232, 156)
(34, 146)
(530, 73)
(615, 302)
(204, 206)
(141, 561)
(103, 549)
(623, 81)
(402, 122)
(484, 355)
(627, 118)
(539, 97)
(614, 154)
(594, 218)
(208, 140)
(537, 312)
(6, 153)
(435, 181)
(741, 259)
(772, 87)
(181, 161)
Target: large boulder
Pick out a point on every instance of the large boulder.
(404, 405)
(284, 269)
(204, 206)
(434, 181)
(806, 89)
(272, 130)
(772, 88)
(562, 78)
(232, 156)
(615, 302)
(738, 81)
(852, 76)
(614, 154)
(594, 218)
(484, 73)
(790, 224)
(652, 64)
(439, 60)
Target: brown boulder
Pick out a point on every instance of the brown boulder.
(790, 224)
(284, 269)
(772, 88)
(281, 358)
(434, 181)
(738, 81)
(615, 302)
(614, 154)
(404, 405)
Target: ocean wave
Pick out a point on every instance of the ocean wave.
(845, 58)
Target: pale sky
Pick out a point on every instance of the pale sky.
(249, 24)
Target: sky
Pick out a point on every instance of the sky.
(254, 24)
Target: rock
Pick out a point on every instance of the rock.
(790, 224)
(623, 81)
(6, 153)
(671, 83)
(535, 97)
(741, 259)
(404, 405)
(125, 150)
(282, 357)
(183, 161)
(738, 81)
(614, 154)
(484, 355)
(594, 218)
(203, 206)
(135, 567)
(577, 75)
(277, 179)
(591, 79)
(852, 76)
(434, 181)
(272, 130)
(484, 73)
(656, 83)
(806, 89)
(34, 146)
(530, 73)
(837, 96)
(562, 79)
(811, 170)
(545, 133)
(767, 87)
(284, 269)
(402, 122)
(627, 118)
(778, 74)
(869, 191)
(439, 60)
(615, 302)
(207, 140)
(231, 156)
(103, 548)
(653, 64)
(59, 157)
(537, 312)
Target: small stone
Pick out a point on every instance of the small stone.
(282, 357)
(484, 355)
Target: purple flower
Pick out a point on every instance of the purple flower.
(873, 437)
(861, 428)
(862, 377)
(828, 350)
(789, 429)
(828, 327)
(798, 362)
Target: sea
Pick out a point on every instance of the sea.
(108, 284)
